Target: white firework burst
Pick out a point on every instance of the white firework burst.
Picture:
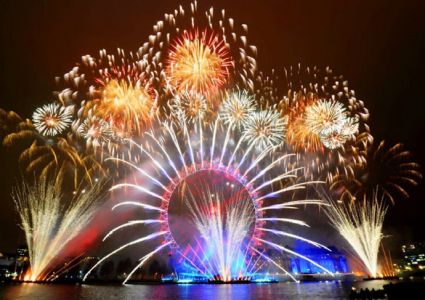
(265, 129)
(52, 119)
(236, 108)
(325, 115)
(189, 106)
(96, 131)
(335, 137)
(350, 126)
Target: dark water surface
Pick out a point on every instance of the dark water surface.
(273, 291)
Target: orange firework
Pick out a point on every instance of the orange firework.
(199, 62)
(298, 134)
(126, 107)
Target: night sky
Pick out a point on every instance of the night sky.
(379, 46)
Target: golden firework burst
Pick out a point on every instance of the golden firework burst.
(198, 62)
(127, 108)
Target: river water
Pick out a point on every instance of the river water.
(273, 291)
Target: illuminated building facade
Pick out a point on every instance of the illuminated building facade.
(413, 256)
(334, 260)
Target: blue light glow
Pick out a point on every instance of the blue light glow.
(334, 261)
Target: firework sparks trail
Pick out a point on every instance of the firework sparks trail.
(50, 224)
(194, 152)
(361, 226)
(143, 239)
(226, 118)
(389, 170)
(144, 259)
(222, 228)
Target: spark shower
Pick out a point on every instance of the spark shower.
(188, 128)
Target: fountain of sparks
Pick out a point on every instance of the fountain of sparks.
(50, 222)
(361, 226)
(191, 164)
(212, 217)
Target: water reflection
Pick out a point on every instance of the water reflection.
(288, 290)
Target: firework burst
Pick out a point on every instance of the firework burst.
(116, 88)
(298, 135)
(237, 107)
(335, 137)
(198, 61)
(52, 119)
(96, 131)
(61, 160)
(189, 106)
(215, 155)
(327, 124)
(332, 138)
(389, 170)
(350, 127)
(265, 129)
(324, 115)
(221, 50)
(329, 120)
(222, 153)
(129, 109)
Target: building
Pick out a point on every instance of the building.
(334, 260)
(413, 257)
(22, 253)
(7, 266)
